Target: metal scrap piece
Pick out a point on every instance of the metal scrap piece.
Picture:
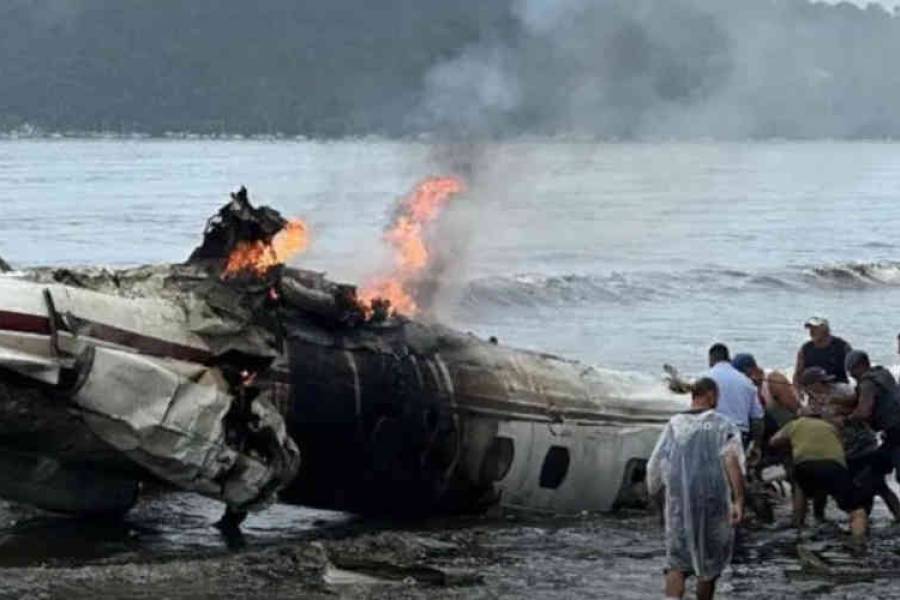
(175, 427)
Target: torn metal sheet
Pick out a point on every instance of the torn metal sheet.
(148, 384)
(175, 427)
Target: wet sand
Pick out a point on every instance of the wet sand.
(168, 549)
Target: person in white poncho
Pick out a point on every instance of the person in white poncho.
(699, 459)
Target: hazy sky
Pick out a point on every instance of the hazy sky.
(886, 3)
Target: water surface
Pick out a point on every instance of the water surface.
(621, 255)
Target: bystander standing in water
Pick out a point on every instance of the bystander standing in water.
(738, 399)
(822, 350)
(699, 460)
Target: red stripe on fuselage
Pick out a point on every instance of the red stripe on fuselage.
(25, 323)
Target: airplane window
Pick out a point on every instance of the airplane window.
(556, 466)
(497, 460)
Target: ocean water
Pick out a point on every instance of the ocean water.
(625, 256)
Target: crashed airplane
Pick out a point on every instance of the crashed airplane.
(237, 377)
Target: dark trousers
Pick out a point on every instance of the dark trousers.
(868, 474)
(887, 456)
(818, 477)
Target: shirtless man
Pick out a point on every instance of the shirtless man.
(776, 393)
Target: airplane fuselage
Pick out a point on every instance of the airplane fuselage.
(400, 417)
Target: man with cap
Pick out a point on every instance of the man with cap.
(878, 405)
(824, 394)
(822, 350)
(833, 401)
(738, 400)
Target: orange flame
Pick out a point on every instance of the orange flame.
(258, 257)
(407, 236)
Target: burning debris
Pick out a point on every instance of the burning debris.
(243, 239)
(174, 366)
(179, 368)
(236, 223)
(408, 236)
(259, 257)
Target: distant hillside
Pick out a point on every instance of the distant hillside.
(322, 68)
(610, 68)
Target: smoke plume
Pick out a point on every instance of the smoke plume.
(675, 69)
(467, 69)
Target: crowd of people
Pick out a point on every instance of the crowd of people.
(834, 427)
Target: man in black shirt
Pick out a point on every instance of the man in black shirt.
(878, 406)
(822, 350)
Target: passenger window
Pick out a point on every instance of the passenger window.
(556, 466)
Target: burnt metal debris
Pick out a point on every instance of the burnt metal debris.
(281, 386)
(235, 222)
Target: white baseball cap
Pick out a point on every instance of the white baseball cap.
(816, 322)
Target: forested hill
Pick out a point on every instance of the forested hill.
(325, 67)
(607, 68)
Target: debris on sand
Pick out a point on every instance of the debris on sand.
(380, 564)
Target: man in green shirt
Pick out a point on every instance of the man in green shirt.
(820, 466)
(834, 401)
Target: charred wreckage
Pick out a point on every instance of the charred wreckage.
(252, 382)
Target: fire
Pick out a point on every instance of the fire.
(391, 290)
(407, 236)
(259, 256)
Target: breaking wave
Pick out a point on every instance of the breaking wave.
(574, 289)
(858, 275)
